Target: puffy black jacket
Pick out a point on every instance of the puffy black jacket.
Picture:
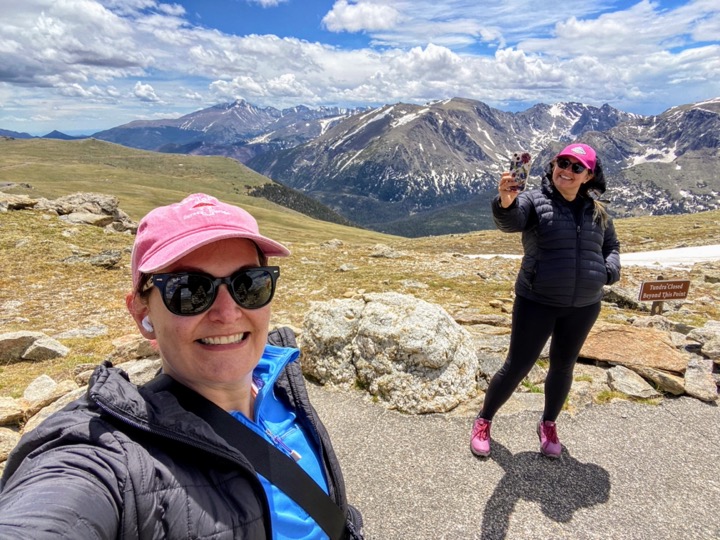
(141, 467)
(564, 264)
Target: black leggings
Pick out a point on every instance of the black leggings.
(532, 325)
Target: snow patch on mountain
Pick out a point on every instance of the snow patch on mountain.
(349, 161)
(379, 116)
(662, 155)
(406, 119)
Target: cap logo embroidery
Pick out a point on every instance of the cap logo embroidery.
(196, 200)
(579, 150)
(205, 211)
(201, 205)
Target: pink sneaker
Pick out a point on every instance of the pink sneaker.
(480, 440)
(549, 443)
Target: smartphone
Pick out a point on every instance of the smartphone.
(520, 167)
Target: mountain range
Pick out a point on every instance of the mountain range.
(239, 130)
(419, 170)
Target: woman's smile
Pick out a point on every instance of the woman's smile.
(223, 340)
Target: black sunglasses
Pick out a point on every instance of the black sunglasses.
(189, 293)
(564, 163)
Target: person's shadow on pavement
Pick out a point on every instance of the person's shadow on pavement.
(560, 486)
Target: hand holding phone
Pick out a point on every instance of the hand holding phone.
(520, 169)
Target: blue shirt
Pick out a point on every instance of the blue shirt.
(278, 425)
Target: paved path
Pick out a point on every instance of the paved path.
(630, 471)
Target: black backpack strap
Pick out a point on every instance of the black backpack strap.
(281, 470)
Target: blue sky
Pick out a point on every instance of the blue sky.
(80, 66)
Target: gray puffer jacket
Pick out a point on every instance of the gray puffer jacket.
(142, 467)
(565, 264)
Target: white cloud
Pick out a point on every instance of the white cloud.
(237, 88)
(453, 22)
(40, 118)
(93, 92)
(360, 15)
(175, 10)
(430, 63)
(277, 88)
(145, 92)
(192, 95)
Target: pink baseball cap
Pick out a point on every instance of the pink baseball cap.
(582, 152)
(168, 233)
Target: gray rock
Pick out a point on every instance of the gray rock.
(328, 330)
(14, 344)
(86, 218)
(39, 388)
(132, 347)
(708, 338)
(623, 298)
(45, 348)
(55, 406)
(15, 202)
(475, 317)
(11, 411)
(332, 244)
(141, 371)
(699, 381)
(43, 391)
(105, 259)
(622, 379)
(664, 381)
(711, 349)
(97, 209)
(408, 353)
(383, 251)
(8, 440)
(711, 330)
(662, 323)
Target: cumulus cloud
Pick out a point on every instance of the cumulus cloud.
(360, 15)
(93, 92)
(430, 63)
(145, 92)
(192, 95)
(55, 45)
(244, 87)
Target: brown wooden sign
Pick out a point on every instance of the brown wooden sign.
(660, 291)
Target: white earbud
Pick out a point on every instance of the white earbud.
(147, 325)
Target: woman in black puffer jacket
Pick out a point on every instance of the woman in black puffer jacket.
(570, 252)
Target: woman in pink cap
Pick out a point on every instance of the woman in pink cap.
(570, 252)
(223, 444)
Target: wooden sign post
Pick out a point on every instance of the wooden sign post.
(659, 291)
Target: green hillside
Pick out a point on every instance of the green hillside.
(143, 180)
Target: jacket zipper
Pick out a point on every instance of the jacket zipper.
(332, 479)
(578, 229)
